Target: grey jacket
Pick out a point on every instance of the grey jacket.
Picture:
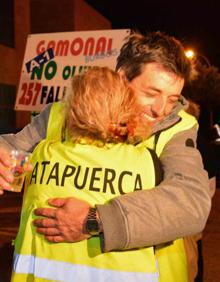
(179, 205)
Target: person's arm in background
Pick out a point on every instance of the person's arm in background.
(179, 206)
(26, 140)
(30, 135)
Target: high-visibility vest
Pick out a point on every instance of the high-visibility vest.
(95, 174)
(171, 256)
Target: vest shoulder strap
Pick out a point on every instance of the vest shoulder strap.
(55, 122)
(157, 167)
(161, 138)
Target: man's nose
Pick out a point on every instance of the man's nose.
(158, 108)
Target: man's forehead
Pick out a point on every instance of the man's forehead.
(162, 82)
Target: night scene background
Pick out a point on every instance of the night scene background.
(196, 23)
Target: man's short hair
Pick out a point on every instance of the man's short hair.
(155, 47)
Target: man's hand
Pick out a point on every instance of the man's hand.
(65, 222)
(6, 177)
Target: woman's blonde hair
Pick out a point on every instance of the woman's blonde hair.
(100, 106)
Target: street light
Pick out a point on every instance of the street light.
(190, 54)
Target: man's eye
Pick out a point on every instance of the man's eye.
(173, 99)
(149, 95)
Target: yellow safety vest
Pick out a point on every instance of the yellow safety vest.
(94, 174)
(171, 257)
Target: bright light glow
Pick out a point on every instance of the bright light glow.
(189, 54)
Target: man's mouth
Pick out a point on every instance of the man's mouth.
(150, 118)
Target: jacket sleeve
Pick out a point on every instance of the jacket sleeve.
(179, 206)
(30, 135)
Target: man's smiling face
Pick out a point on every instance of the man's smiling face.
(157, 90)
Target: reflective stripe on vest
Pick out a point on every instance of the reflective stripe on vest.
(55, 121)
(61, 271)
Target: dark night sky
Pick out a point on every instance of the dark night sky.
(196, 23)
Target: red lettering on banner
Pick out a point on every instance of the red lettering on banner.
(88, 47)
(100, 47)
(35, 93)
(78, 42)
(30, 93)
(51, 44)
(109, 47)
(62, 48)
(40, 47)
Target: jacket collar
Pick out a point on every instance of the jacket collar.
(173, 117)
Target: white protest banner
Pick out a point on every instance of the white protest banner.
(51, 59)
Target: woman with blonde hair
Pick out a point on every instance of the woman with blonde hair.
(95, 154)
(101, 107)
